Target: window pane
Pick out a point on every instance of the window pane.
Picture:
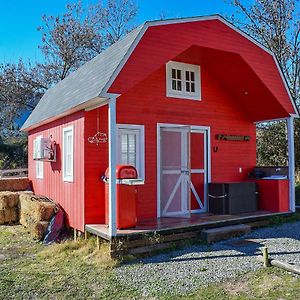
(124, 160)
(187, 75)
(187, 86)
(192, 76)
(178, 74)
(193, 87)
(174, 85)
(124, 143)
(132, 159)
(69, 143)
(179, 88)
(174, 73)
(69, 165)
(131, 142)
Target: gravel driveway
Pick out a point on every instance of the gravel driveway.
(182, 271)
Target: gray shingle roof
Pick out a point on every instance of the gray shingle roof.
(83, 84)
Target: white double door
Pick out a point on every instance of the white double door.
(183, 170)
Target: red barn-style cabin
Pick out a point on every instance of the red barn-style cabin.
(178, 100)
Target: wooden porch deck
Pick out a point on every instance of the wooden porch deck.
(197, 222)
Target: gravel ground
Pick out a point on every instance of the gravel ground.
(182, 271)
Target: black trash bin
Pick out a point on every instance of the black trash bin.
(232, 198)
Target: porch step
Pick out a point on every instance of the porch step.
(222, 233)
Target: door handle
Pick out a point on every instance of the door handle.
(185, 172)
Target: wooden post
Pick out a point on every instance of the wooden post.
(291, 159)
(112, 134)
(265, 254)
(75, 235)
(85, 235)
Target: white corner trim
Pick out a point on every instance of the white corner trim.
(68, 178)
(291, 162)
(112, 162)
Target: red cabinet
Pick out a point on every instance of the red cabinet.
(273, 195)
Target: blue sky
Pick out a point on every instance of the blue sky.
(20, 18)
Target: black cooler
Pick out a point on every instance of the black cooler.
(232, 197)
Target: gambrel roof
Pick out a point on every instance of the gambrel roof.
(94, 79)
(83, 84)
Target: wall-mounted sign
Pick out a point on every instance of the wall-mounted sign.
(225, 137)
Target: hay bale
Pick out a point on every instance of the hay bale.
(38, 230)
(8, 200)
(11, 215)
(37, 207)
(2, 217)
(14, 184)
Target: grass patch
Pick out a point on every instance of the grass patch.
(29, 270)
(265, 284)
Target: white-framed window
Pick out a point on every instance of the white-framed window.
(39, 165)
(68, 154)
(131, 147)
(183, 80)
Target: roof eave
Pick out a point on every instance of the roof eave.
(88, 105)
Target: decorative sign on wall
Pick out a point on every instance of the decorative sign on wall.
(225, 137)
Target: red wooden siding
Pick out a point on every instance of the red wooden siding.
(231, 56)
(69, 194)
(240, 84)
(147, 104)
(95, 164)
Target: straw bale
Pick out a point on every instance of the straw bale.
(39, 209)
(2, 217)
(11, 215)
(38, 230)
(14, 184)
(8, 200)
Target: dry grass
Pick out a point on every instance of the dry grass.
(77, 270)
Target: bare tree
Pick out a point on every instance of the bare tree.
(68, 41)
(276, 24)
(21, 87)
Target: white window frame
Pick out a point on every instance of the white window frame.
(183, 94)
(68, 177)
(39, 164)
(140, 145)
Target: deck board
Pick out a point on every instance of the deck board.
(195, 222)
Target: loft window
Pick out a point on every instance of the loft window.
(131, 147)
(183, 80)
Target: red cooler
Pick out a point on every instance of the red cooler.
(126, 196)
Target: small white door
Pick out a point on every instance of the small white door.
(175, 171)
(183, 171)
